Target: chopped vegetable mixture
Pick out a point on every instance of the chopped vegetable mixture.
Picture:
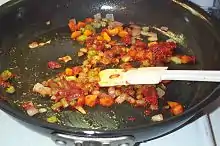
(106, 43)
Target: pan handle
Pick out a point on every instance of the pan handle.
(73, 140)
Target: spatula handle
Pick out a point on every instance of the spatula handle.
(191, 75)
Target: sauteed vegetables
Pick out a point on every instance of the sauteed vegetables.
(106, 44)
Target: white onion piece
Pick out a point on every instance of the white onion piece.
(110, 17)
(145, 29)
(32, 111)
(152, 38)
(164, 28)
(111, 91)
(135, 32)
(144, 33)
(39, 88)
(157, 118)
(160, 92)
(98, 16)
(42, 110)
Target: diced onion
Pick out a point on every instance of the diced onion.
(160, 92)
(157, 118)
(111, 91)
(120, 99)
(32, 111)
(42, 110)
(153, 38)
(98, 16)
(110, 17)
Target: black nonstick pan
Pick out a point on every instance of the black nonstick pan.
(24, 21)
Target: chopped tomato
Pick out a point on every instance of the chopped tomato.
(72, 24)
(132, 52)
(27, 105)
(81, 101)
(88, 20)
(149, 91)
(140, 55)
(76, 70)
(141, 44)
(152, 100)
(147, 112)
(126, 39)
(149, 55)
(53, 65)
(80, 25)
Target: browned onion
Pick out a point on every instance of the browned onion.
(111, 91)
(120, 99)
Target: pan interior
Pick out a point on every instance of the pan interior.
(27, 22)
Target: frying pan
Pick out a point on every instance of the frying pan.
(23, 21)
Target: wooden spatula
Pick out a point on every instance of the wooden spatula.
(154, 75)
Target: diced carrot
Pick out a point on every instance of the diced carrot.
(177, 110)
(90, 100)
(113, 32)
(123, 33)
(88, 20)
(75, 34)
(106, 37)
(187, 59)
(172, 104)
(80, 25)
(87, 32)
(106, 101)
(68, 71)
